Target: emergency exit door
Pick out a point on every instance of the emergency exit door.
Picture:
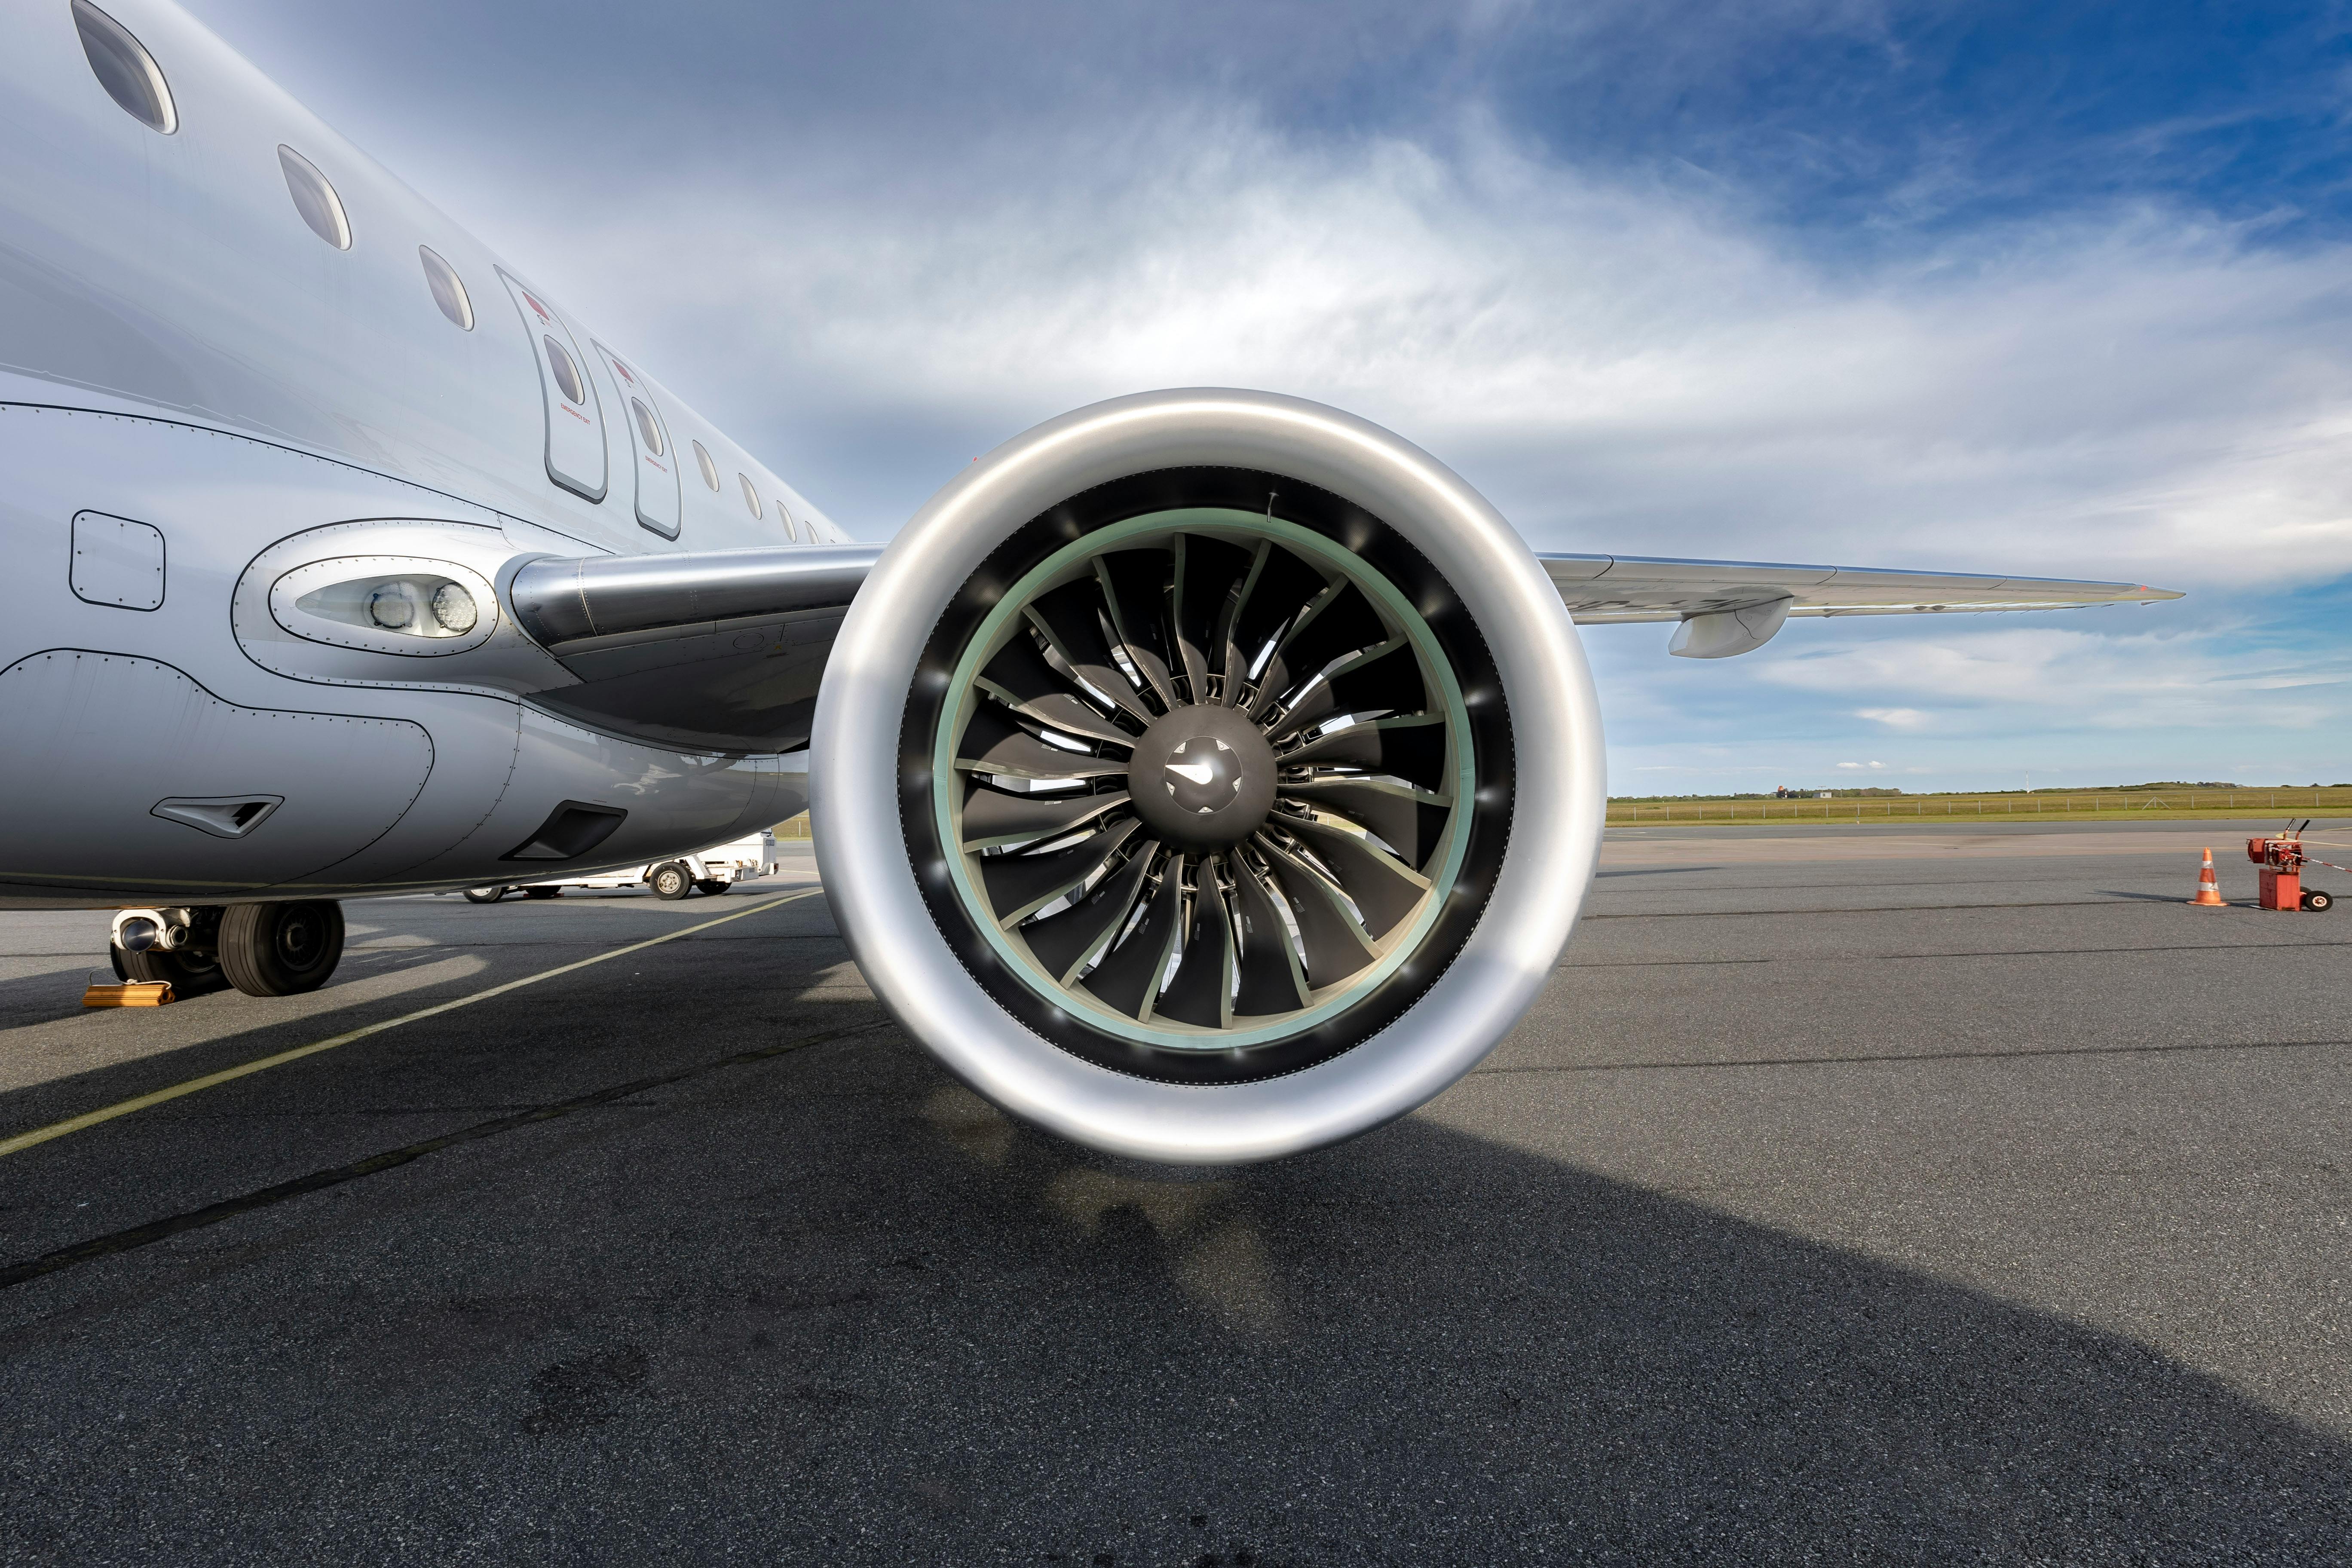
(575, 414)
(656, 463)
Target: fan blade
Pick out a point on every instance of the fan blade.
(1386, 678)
(1071, 618)
(1340, 623)
(1062, 941)
(1411, 747)
(1207, 572)
(1233, 667)
(1336, 945)
(1020, 678)
(1202, 990)
(1129, 976)
(1408, 820)
(1019, 885)
(993, 743)
(1383, 888)
(1135, 584)
(1271, 980)
(992, 817)
(1276, 591)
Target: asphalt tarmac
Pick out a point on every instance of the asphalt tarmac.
(1878, 1196)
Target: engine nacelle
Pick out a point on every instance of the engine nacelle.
(1207, 776)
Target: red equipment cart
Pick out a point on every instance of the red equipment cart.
(2282, 859)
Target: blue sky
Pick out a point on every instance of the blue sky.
(2055, 288)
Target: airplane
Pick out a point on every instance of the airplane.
(1203, 776)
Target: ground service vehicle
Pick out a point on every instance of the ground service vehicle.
(716, 869)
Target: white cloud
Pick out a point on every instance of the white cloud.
(2126, 680)
(2128, 393)
(2132, 392)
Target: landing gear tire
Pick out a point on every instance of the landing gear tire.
(187, 974)
(714, 886)
(281, 949)
(671, 882)
(2316, 902)
(485, 895)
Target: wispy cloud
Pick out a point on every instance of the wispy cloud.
(2016, 675)
(2130, 394)
(1756, 282)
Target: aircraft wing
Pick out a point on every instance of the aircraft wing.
(1732, 606)
(725, 648)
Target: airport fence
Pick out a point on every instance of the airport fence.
(2090, 806)
(2041, 806)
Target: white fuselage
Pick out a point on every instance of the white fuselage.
(203, 400)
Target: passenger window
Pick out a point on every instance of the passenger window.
(125, 68)
(567, 372)
(709, 470)
(647, 431)
(448, 289)
(750, 496)
(315, 199)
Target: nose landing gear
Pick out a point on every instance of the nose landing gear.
(174, 946)
(279, 949)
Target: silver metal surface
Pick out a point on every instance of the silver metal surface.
(1602, 590)
(1558, 767)
(562, 600)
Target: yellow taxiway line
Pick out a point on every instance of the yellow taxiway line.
(38, 1135)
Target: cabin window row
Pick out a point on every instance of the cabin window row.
(132, 78)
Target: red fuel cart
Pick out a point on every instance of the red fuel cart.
(2282, 859)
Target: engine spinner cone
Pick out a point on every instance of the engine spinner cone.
(1202, 777)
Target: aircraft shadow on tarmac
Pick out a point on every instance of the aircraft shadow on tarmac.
(1447, 1340)
(872, 1319)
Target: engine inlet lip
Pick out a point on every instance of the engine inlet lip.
(1539, 669)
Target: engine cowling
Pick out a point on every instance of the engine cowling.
(1207, 776)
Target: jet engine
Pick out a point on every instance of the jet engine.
(1206, 776)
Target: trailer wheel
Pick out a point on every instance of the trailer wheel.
(2316, 902)
(670, 880)
(490, 895)
(542, 893)
(713, 885)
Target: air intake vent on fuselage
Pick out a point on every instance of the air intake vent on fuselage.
(571, 830)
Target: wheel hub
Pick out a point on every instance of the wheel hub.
(1202, 777)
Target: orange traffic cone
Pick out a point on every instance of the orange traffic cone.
(2208, 891)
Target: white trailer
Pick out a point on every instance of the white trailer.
(713, 871)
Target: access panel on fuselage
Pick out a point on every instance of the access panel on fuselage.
(576, 417)
(656, 462)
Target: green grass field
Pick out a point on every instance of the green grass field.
(2135, 804)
